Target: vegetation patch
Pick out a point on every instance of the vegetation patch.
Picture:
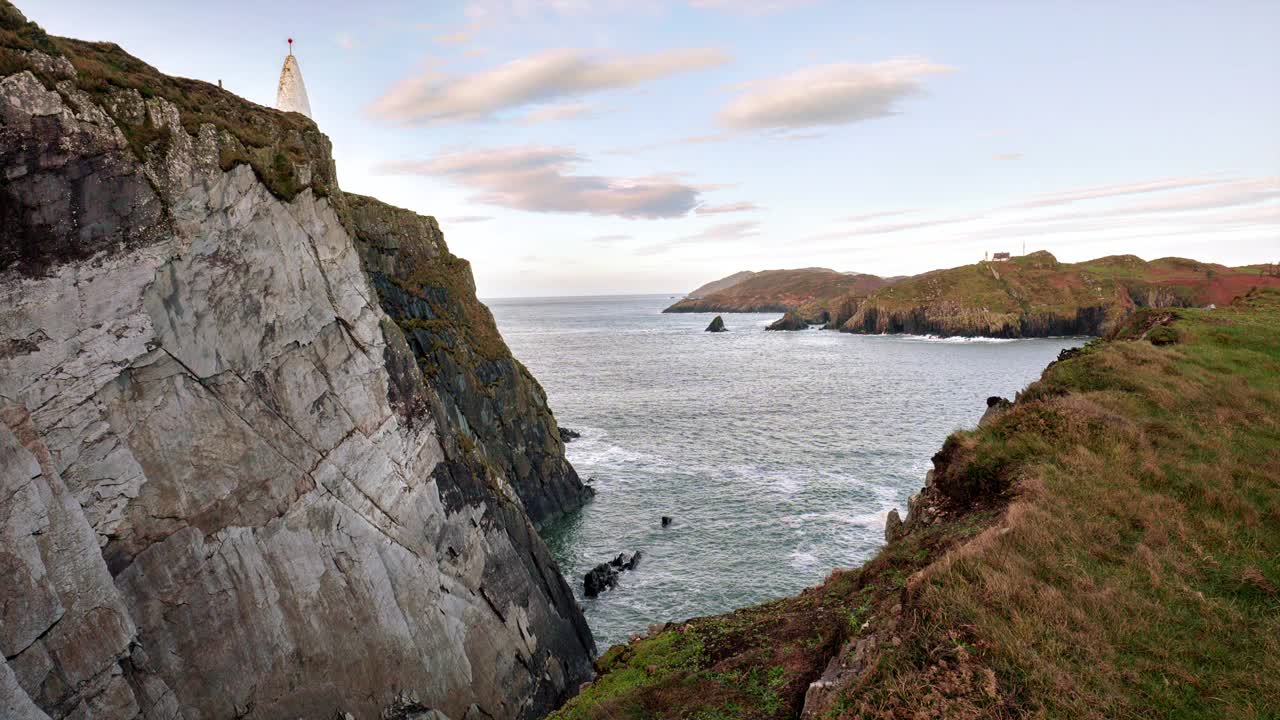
(1109, 547)
(274, 143)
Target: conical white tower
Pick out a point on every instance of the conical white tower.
(291, 96)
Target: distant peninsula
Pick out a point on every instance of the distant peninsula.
(777, 290)
(1032, 295)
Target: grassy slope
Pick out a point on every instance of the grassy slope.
(1000, 298)
(1107, 548)
(780, 290)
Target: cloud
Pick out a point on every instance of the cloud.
(463, 219)
(877, 215)
(690, 140)
(529, 9)
(432, 97)
(1110, 191)
(724, 232)
(1005, 157)
(539, 179)
(609, 239)
(551, 113)
(1222, 195)
(750, 7)
(889, 228)
(828, 95)
(1205, 205)
(727, 208)
(345, 41)
(458, 37)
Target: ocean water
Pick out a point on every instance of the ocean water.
(777, 453)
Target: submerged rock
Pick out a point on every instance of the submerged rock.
(717, 325)
(598, 579)
(605, 575)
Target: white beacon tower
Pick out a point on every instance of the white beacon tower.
(291, 95)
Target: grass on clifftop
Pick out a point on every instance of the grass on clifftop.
(272, 142)
(1121, 559)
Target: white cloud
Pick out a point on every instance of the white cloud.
(725, 232)
(609, 239)
(464, 219)
(828, 95)
(864, 217)
(433, 97)
(1224, 194)
(727, 208)
(539, 179)
(491, 10)
(750, 7)
(457, 37)
(551, 113)
(1118, 190)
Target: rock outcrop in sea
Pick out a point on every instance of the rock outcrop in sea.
(790, 321)
(605, 575)
(717, 325)
(262, 452)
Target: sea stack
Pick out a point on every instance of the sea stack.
(291, 94)
(717, 325)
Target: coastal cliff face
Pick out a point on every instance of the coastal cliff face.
(1028, 296)
(1037, 296)
(231, 483)
(486, 393)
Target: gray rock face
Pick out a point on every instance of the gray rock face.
(495, 402)
(225, 488)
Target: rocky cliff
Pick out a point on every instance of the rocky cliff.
(1093, 549)
(490, 397)
(231, 483)
(1036, 296)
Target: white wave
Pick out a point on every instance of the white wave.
(956, 339)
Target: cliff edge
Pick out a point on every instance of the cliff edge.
(1104, 546)
(231, 484)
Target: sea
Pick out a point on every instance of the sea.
(776, 454)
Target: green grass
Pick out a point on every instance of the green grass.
(1111, 549)
(273, 143)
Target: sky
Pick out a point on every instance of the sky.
(578, 147)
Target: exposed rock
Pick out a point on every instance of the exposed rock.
(789, 321)
(567, 435)
(666, 521)
(995, 406)
(892, 526)
(228, 485)
(717, 325)
(598, 579)
(605, 575)
(498, 405)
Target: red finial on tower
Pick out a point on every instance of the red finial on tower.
(290, 46)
